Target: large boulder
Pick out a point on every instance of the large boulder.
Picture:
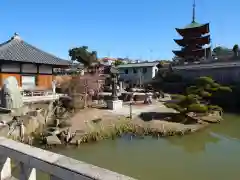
(53, 140)
(11, 97)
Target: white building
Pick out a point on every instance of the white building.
(107, 61)
(138, 73)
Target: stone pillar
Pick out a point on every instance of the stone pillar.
(114, 103)
(54, 87)
(114, 88)
(5, 164)
(120, 86)
(27, 173)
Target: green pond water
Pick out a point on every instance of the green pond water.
(211, 154)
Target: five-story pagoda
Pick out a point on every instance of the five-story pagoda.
(195, 36)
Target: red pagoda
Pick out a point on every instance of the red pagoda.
(194, 37)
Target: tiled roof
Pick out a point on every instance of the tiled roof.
(193, 25)
(16, 49)
(150, 64)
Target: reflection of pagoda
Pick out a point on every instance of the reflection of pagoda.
(195, 36)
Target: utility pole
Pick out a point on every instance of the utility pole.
(85, 92)
(150, 54)
(130, 110)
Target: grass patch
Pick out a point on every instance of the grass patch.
(98, 132)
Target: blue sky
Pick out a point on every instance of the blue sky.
(119, 28)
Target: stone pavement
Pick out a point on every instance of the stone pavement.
(138, 109)
(80, 119)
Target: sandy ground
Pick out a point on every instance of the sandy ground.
(80, 119)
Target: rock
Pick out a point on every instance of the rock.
(4, 131)
(65, 99)
(11, 97)
(58, 131)
(14, 131)
(76, 140)
(20, 111)
(32, 113)
(4, 110)
(31, 123)
(53, 140)
(40, 117)
(6, 117)
(211, 119)
(214, 117)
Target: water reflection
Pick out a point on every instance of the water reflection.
(229, 127)
(197, 142)
(208, 154)
(194, 143)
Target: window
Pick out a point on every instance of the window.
(144, 70)
(134, 71)
(28, 82)
(126, 71)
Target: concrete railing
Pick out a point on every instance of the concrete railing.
(49, 97)
(59, 167)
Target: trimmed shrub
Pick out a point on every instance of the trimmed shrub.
(192, 90)
(178, 97)
(225, 88)
(175, 106)
(203, 81)
(215, 85)
(205, 94)
(192, 98)
(198, 108)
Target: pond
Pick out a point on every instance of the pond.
(213, 153)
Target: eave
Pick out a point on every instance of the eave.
(200, 30)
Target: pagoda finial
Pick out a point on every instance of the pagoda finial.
(193, 15)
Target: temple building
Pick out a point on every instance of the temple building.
(195, 38)
(32, 67)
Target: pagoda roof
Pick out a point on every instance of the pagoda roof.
(195, 53)
(199, 41)
(18, 50)
(193, 24)
(194, 28)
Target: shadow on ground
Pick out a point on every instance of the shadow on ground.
(149, 116)
(165, 116)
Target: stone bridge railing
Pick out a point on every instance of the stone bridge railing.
(32, 99)
(59, 167)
